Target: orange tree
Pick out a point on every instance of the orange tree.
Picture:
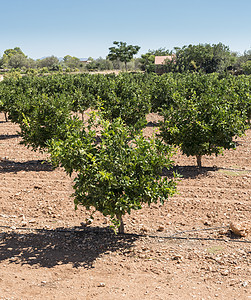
(118, 174)
(203, 122)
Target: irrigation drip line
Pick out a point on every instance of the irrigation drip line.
(102, 230)
(234, 170)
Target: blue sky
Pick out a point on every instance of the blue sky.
(88, 28)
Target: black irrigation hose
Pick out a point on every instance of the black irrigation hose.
(170, 237)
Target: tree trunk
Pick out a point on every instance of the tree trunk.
(121, 228)
(5, 115)
(198, 157)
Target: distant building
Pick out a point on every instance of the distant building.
(84, 61)
(160, 62)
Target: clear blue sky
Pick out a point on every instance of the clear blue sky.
(88, 28)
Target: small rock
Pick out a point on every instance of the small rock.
(32, 221)
(225, 272)
(244, 284)
(161, 228)
(88, 221)
(207, 223)
(144, 229)
(101, 284)
(177, 257)
(240, 228)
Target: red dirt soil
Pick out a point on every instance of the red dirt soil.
(204, 260)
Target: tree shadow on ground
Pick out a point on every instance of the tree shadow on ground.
(188, 171)
(8, 136)
(77, 246)
(9, 166)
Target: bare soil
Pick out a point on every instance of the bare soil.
(182, 250)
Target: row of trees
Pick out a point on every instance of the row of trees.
(16, 59)
(180, 99)
(205, 58)
(116, 168)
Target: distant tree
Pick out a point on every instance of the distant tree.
(48, 62)
(31, 63)
(16, 62)
(243, 63)
(203, 57)
(122, 52)
(71, 61)
(99, 64)
(247, 67)
(104, 64)
(93, 65)
(16, 50)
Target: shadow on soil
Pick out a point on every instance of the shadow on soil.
(189, 171)
(9, 166)
(8, 136)
(54, 247)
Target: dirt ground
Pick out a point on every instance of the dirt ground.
(182, 250)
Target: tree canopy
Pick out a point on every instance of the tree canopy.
(205, 58)
(122, 52)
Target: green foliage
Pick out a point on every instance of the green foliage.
(161, 89)
(116, 169)
(71, 61)
(247, 67)
(48, 62)
(43, 118)
(181, 97)
(204, 58)
(203, 123)
(122, 52)
(125, 98)
(147, 60)
(50, 118)
(118, 174)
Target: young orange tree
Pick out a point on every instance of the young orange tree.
(118, 174)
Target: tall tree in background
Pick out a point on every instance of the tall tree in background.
(122, 52)
(48, 62)
(71, 61)
(205, 58)
(13, 58)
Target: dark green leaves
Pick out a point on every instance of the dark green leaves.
(119, 173)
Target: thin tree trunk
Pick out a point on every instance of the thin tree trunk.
(121, 228)
(198, 157)
(5, 115)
